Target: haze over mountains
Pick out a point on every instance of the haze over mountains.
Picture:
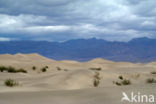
(136, 50)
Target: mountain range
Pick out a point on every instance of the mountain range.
(136, 50)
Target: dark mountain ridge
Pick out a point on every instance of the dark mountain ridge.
(136, 50)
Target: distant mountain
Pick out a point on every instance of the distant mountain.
(136, 50)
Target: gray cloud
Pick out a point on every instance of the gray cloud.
(59, 20)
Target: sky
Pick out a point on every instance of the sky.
(61, 20)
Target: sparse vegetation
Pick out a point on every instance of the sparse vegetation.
(44, 69)
(10, 83)
(96, 69)
(153, 72)
(117, 83)
(65, 69)
(22, 70)
(151, 80)
(58, 68)
(34, 68)
(96, 79)
(2, 68)
(96, 82)
(123, 81)
(12, 70)
(97, 76)
(126, 82)
(121, 77)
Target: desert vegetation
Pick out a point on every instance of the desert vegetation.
(12, 69)
(153, 72)
(122, 81)
(96, 69)
(21, 70)
(96, 82)
(10, 83)
(58, 68)
(150, 80)
(44, 69)
(121, 77)
(65, 69)
(97, 79)
(125, 82)
(34, 68)
(117, 83)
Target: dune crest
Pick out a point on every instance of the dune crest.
(100, 60)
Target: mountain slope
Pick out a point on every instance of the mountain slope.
(136, 50)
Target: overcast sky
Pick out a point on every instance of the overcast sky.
(60, 20)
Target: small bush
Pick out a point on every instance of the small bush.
(96, 79)
(97, 76)
(122, 81)
(10, 83)
(34, 68)
(121, 77)
(11, 70)
(65, 69)
(126, 82)
(96, 83)
(150, 80)
(21, 70)
(44, 69)
(153, 72)
(58, 68)
(96, 69)
(2, 68)
(117, 83)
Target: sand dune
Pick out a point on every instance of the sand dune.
(71, 82)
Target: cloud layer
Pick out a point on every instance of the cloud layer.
(59, 20)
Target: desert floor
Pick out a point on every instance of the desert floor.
(71, 82)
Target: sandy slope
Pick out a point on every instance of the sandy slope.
(73, 84)
(107, 95)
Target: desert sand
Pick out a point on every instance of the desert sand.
(73, 83)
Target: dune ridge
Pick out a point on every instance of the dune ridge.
(68, 77)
